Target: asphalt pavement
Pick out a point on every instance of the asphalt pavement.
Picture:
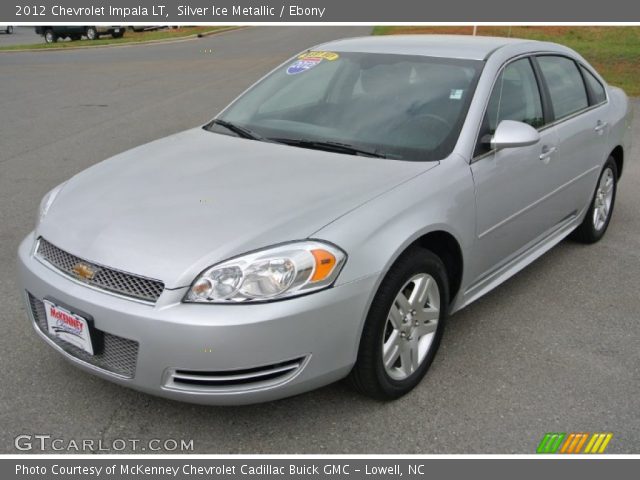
(554, 349)
(20, 36)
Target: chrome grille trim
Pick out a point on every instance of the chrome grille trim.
(105, 279)
(119, 355)
(235, 380)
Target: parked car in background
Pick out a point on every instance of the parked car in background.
(146, 28)
(8, 29)
(53, 33)
(329, 220)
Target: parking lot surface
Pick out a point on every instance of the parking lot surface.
(20, 36)
(554, 349)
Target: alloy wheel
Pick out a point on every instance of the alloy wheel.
(411, 326)
(603, 199)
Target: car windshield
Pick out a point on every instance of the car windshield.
(393, 106)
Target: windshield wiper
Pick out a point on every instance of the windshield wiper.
(237, 129)
(329, 146)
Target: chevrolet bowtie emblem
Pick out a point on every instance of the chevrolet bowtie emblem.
(83, 271)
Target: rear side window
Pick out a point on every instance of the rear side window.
(566, 87)
(597, 90)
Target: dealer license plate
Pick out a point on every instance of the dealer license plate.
(68, 326)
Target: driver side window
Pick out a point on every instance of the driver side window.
(515, 96)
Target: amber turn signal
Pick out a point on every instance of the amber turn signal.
(325, 262)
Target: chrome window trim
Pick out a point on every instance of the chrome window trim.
(573, 115)
(544, 127)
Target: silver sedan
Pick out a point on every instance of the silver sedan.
(328, 221)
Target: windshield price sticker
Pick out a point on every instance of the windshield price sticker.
(308, 60)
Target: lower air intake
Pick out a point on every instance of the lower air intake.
(224, 380)
(119, 355)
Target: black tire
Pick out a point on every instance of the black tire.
(92, 33)
(369, 375)
(9, 30)
(119, 34)
(50, 36)
(588, 232)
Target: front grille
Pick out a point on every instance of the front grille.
(235, 379)
(118, 355)
(103, 278)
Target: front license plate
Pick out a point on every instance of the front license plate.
(68, 326)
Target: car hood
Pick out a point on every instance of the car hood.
(173, 207)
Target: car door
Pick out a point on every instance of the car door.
(512, 184)
(66, 30)
(578, 101)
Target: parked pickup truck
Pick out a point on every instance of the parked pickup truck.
(52, 33)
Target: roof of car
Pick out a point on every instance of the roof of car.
(448, 46)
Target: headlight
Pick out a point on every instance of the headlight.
(273, 273)
(47, 201)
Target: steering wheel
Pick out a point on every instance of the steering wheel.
(438, 118)
(415, 126)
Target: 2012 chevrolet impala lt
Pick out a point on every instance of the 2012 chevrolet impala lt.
(328, 221)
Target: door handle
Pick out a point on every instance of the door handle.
(547, 151)
(600, 126)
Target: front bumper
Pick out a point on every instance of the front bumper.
(318, 334)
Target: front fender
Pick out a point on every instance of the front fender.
(377, 233)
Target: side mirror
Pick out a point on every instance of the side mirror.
(510, 134)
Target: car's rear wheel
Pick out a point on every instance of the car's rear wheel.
(118, 34)
(595, 223)
(50, 36)
(9, 30)
(404, 326)
(92, 33)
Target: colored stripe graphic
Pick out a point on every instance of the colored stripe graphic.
(573, 442)
(598, 443)
(576, 443)
(550, 442)
(568, 443)
(581, 442)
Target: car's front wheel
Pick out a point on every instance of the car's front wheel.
(595, 223)
(9, 30)
(404, 326)
(92, 33)
(50, 36)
